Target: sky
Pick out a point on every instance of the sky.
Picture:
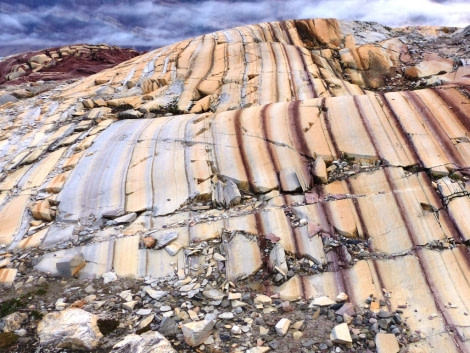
(147, 24)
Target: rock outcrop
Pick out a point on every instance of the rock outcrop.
(72, 328)
(301, 159)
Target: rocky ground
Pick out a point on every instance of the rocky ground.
(231, 317)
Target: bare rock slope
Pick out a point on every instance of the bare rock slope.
(244, 180)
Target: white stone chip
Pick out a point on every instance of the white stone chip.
(282, 326)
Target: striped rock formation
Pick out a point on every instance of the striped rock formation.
(313, 134)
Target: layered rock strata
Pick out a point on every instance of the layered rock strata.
(345, 143)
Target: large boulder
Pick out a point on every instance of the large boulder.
(72, 328)
(148, 342)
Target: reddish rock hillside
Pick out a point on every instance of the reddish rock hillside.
(62, 63)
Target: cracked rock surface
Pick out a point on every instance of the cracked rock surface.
(253, 189)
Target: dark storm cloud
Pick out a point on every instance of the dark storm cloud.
(151, 24)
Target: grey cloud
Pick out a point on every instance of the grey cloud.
(147, 24)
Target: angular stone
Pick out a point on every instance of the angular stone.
(129, 306)
(232, 195)
(277, 259)
(262, 299)
(126, 295)
(322, 301)
(218, 257)
(234, 296)
(226, 316)
(88, 103)
(168, 326)
(282, 326)
(236, 330)
(341, 297)
(72, 328)
(128, 218)
(109, 277)
(42, 210)
(149, 242)
(226, 194)
(213, 294)
(143, 312)
(196, 332)
(148, 342)
(5, 262)
(145, 322)
(155, 294)
(340, 334)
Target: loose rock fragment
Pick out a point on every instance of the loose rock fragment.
(196, 332)
(155, 294)
(282, 326)
(109, 277)
(148, 342)
(277, 259)
(149, 242)
(322, 301)
(262, 299)
(341, 297)
(340, 334)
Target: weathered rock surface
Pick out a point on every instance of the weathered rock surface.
(386, 343)
(296, 159)
(71, 328)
